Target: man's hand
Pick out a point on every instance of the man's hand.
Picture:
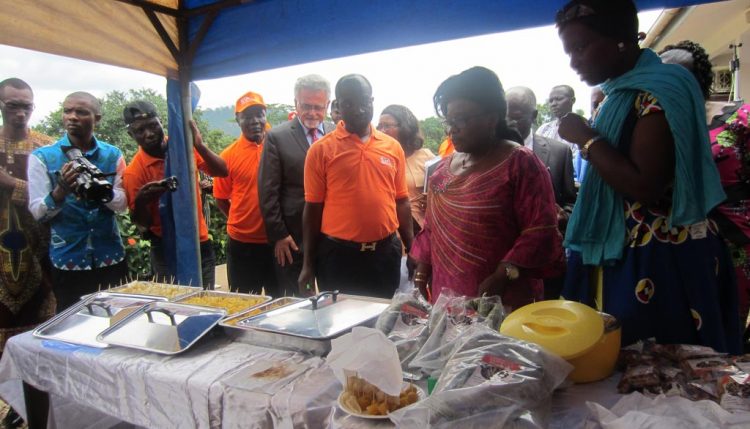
(6, 180)
(576, 129)
(197, 137)
(422, 274)
(306, 281)
(151, 191)
(68, 176)
(283, 250)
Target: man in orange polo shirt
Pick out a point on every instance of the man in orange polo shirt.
(250, 263)
(355, 199)
(144, 185)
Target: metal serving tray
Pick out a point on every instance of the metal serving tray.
(231, 322)
(220, 294)
(82, 322)
(180, 290)
(310, 325)
(163, 327)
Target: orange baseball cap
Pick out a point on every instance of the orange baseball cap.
(248, 100)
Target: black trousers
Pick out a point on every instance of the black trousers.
(250, 267)
(350, 270)
(70, 285)
(287, 276)
(161, 269)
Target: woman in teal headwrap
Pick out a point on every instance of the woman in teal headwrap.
(641, 247)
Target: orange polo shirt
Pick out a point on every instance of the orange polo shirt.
(240, 187)
(358, 184)
(143, 169)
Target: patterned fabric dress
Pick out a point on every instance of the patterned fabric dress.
(673, 284)
(26, 297)
(476, 220)
(730, 146)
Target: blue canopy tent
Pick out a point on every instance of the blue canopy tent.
(187, 40)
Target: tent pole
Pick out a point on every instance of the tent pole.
(185, 76)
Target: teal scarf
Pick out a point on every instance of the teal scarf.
(597, 225)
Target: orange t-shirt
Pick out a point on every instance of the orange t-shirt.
(240, 187)
(358, 184)
(143, 169)
(446, 148)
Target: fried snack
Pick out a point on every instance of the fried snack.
(364, 398)
(154, 289)
(232, 304)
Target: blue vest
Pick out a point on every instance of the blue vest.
(83, 235)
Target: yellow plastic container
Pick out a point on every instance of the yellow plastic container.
(571, 330)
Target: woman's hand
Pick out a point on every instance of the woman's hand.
(576, 129)
(422, 275)
(494, 284)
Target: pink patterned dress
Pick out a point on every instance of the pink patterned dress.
(476, 220)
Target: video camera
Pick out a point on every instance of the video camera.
(91, 183)
(170, 183)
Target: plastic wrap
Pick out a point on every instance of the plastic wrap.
(489, 380)
(452, 316)
(404, 322)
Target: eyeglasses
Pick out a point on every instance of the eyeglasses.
(460, 122)
(574, 12)
(312, 107)
(386, 126)
(17, 107)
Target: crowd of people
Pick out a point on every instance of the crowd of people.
(625, 211)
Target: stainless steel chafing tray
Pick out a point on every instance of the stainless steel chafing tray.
(248, 298)
(163, 327)
(81, 323)
(309, 325)
(230, 322)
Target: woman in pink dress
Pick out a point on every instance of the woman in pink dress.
(491, 222)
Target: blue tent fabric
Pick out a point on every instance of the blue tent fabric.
(267, 34)
(179, 229)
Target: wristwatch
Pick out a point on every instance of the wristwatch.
(511, 272)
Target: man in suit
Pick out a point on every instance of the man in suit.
(281, 176)
(555, 155)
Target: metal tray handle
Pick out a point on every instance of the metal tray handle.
(314, 299)
(160, 310)
(90, 306)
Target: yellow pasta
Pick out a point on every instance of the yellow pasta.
(232, 304)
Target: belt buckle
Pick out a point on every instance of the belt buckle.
(368, 246)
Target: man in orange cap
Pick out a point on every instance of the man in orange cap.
(249, 256)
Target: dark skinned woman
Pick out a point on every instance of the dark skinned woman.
(639, 230)
(400, 123)
(491, 222)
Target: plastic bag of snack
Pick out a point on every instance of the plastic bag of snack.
(708, 369)
(734, 392)
(489, 378)
(451, 318)
(404, 322)
(640, 378)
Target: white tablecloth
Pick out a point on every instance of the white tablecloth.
(209, 386)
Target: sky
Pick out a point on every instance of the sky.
(532, 57)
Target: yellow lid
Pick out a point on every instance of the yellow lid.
(567, 328)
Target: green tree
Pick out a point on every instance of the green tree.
(433, 132)
(277, 114)
(543, 115)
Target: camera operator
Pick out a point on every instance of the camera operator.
(144, 184)
(85, 247)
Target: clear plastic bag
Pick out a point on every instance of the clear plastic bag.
(489, 380)
(451, 317)
(404, 322)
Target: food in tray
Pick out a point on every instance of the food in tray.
(151, 288)
(273, 305)
(362, 397)
(231, 303)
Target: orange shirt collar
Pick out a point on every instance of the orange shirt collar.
(342, 133)
(244, 140)
(148, 160)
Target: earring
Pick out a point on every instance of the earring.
(621, 47)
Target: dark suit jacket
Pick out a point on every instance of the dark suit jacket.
(281, 180)
(558, 158)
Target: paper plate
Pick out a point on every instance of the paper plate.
(420, 396)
